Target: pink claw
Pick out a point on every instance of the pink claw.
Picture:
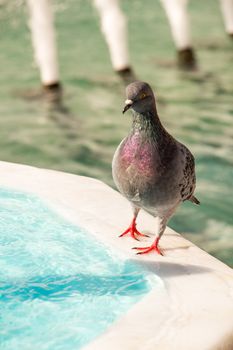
(133, 231)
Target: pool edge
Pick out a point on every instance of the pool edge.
(196, 307)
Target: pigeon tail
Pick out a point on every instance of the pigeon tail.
(194, 200)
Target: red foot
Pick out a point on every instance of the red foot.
(146, 250)
(133, 231)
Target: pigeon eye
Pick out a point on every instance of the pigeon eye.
(143, 95)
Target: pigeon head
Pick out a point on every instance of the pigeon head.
(140, 97)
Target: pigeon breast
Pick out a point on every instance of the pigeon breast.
(143, 176)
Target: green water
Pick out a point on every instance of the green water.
(198, 111)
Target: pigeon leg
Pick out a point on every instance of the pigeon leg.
(154, 245)
(132, 230)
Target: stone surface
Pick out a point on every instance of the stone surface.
(194, 310)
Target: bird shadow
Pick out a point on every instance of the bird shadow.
(165, 269)
(171, 234)
(151, 235)
(177, 248)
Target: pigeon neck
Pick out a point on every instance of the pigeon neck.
(148, 123)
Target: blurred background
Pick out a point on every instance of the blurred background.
(81, 137)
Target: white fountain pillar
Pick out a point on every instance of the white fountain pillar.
(227, 11)
(114, 28)
(44, 40)
(176, 11)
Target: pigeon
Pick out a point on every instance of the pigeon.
(150, 168)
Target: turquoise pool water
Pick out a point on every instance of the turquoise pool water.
(59, 287)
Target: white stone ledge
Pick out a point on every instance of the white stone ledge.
(194, 308)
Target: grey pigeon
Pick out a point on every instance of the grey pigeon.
(150, 167)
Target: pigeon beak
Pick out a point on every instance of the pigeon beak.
(128, 105)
